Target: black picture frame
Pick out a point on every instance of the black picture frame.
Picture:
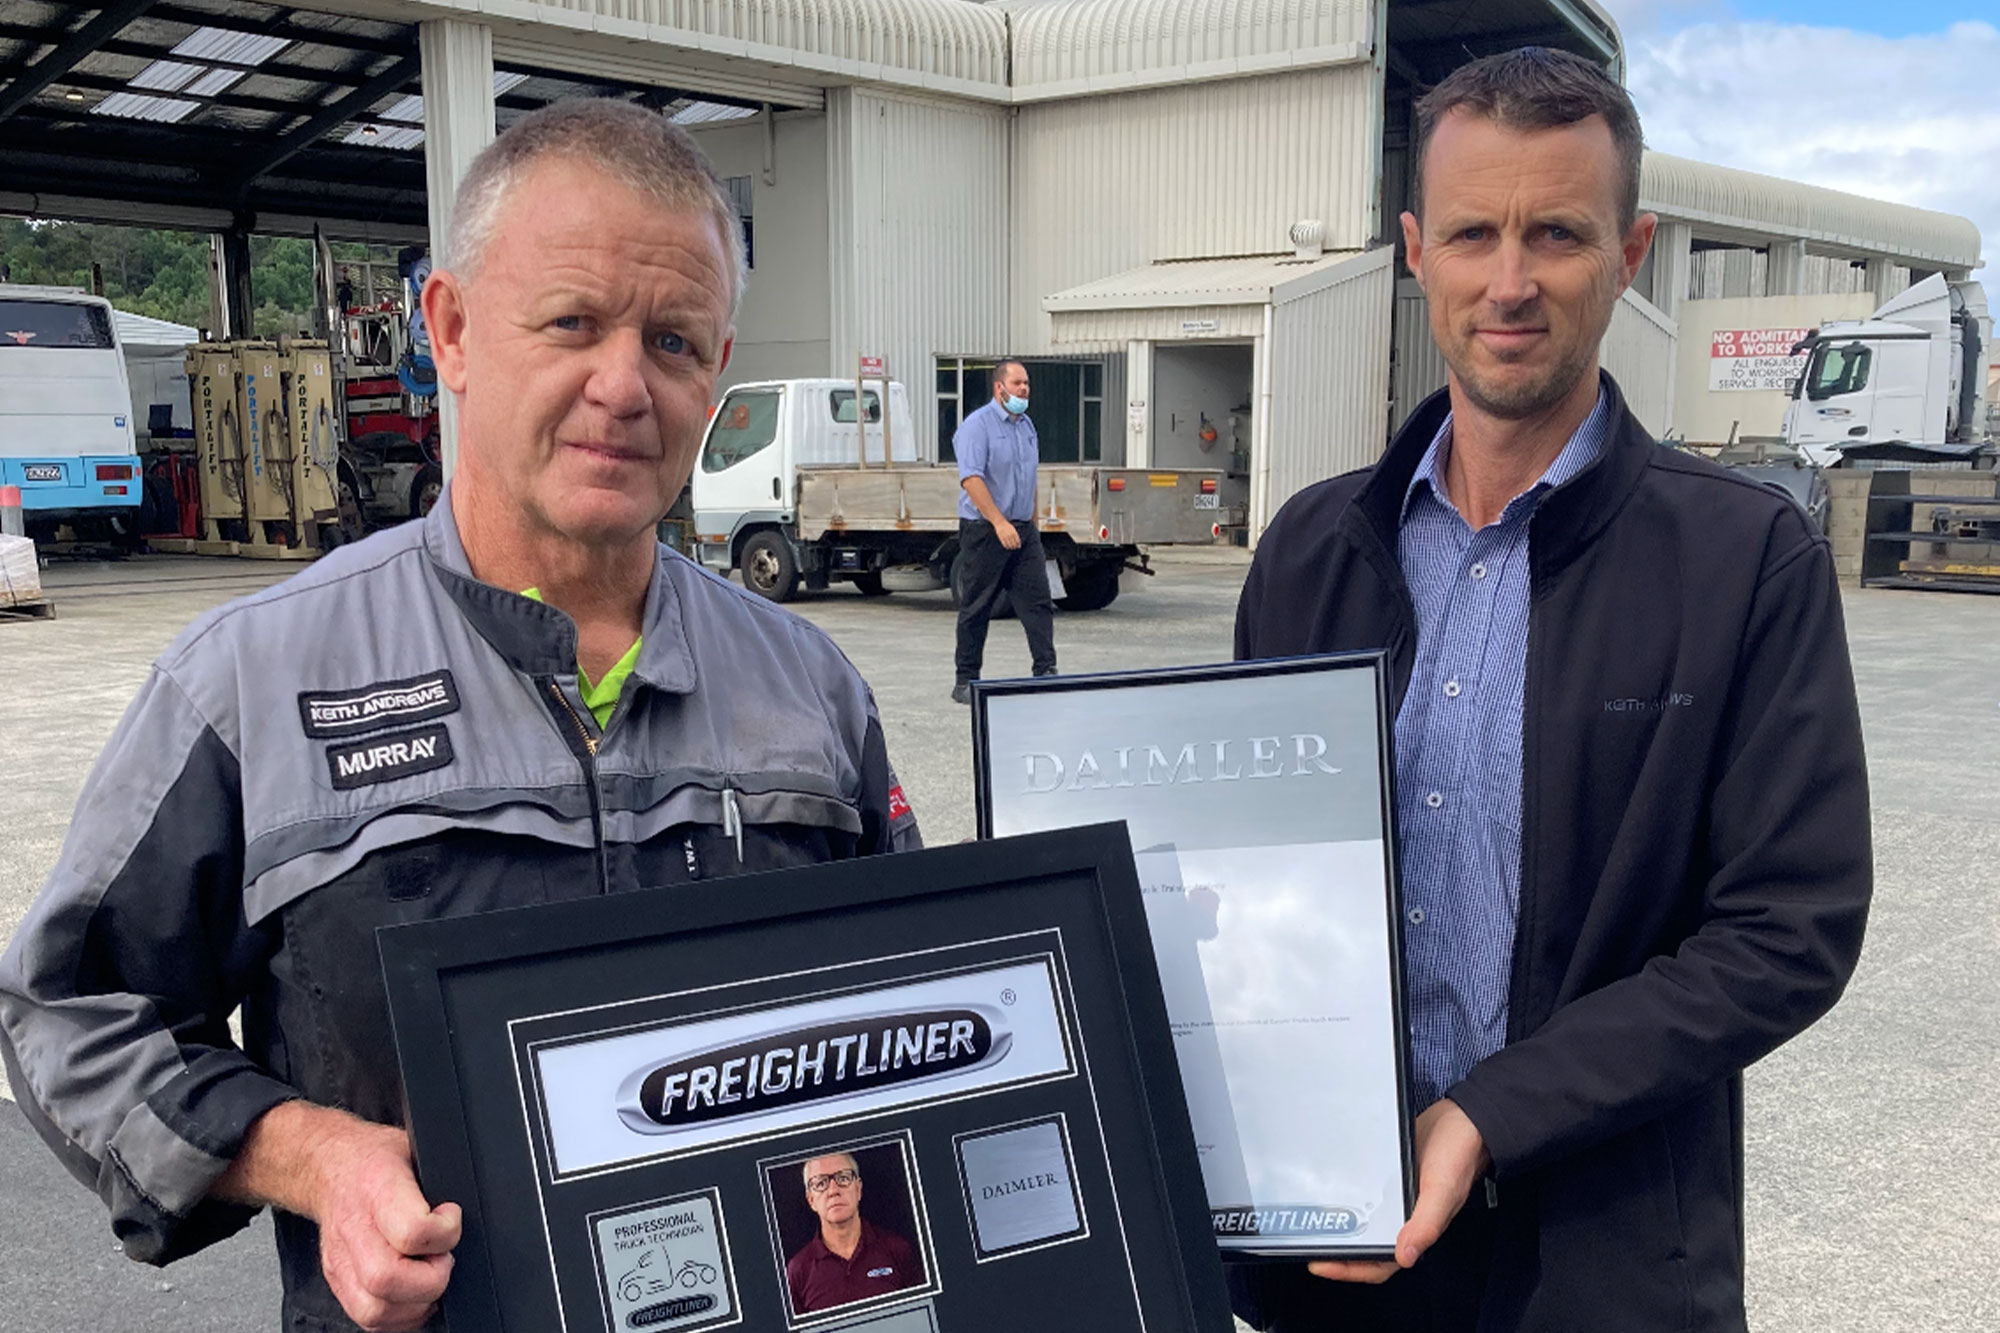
(1380, 719)
(484, 1007)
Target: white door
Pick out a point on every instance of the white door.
(740, 469)
(1836, 402)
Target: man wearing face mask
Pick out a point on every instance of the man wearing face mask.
(999, 550)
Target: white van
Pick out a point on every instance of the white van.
(66, 435)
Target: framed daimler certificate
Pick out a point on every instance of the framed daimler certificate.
(924, 1093)
(1258, 800)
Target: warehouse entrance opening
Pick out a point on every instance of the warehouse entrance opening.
(1202, 395)
(1067, 404)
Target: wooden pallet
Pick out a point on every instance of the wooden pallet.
(42, 610)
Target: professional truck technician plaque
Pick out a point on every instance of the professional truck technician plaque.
(925, 1093)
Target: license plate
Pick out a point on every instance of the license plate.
(1207, 502)
(42, 472)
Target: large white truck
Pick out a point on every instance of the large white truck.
(1912, 373)
(793, 492)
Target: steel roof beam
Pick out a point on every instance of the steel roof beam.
(72, 169)
(159, 134)
(338, 113)
(235, 101)
(24, 89)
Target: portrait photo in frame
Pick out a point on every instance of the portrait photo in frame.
(807, 1197)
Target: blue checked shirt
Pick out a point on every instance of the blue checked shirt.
(1458, 760)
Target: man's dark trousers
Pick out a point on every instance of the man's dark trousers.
(985, 570)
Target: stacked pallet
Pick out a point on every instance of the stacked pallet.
(20, 576)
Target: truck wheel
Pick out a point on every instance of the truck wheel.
(424, 491)
(768, 567)
(1091, 588)
(347, 502)
(870, 584)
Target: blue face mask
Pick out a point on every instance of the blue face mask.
(1015, 406)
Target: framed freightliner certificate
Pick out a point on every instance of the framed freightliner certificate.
(1258, 800)
(925, 1093)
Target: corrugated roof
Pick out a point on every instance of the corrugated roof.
(1729, 204)
(1245, 280)
(145, 331)
(709, 113)
(1073, 48)
(201, 80)
(1085, 46)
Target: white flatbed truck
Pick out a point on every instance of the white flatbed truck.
(782, 493)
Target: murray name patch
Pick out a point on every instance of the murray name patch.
(330, 714)
(398, 754)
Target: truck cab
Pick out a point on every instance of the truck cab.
(1911, 373)
(762, 433)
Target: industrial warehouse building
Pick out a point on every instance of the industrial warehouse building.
(1182, 213)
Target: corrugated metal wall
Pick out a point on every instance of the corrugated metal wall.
(1639, 352)
(1721, 274)
(918, 236)
(1419, 368)
(1063, 49)
(1329, 379)
(781, 331)
(1109, 183)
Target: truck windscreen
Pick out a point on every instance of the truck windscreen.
(67, 324)
(1837, 370)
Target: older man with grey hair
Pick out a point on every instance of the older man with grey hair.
(523, 698)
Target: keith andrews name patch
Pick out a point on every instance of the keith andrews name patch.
(331, 714)
(384, 758)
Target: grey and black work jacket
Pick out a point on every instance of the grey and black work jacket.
(379, 740)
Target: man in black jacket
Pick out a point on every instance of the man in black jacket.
(1632, 805)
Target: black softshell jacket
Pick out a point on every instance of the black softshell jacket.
(1695, 856)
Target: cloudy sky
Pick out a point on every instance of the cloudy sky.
(1895, 99)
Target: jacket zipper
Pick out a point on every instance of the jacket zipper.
(732, 820)
(584, 746)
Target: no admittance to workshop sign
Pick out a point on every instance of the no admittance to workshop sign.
(1754, 360)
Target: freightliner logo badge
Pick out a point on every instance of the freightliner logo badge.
(823, 1062)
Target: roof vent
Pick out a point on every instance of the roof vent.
(1309, 238)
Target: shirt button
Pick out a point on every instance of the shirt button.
(1479, 571)
(1434, 800)
(1451, 689)
(1416, 916)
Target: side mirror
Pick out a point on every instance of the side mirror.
(1792, 387)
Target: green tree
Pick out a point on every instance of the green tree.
(165, 274)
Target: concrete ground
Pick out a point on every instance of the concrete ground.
(1873, 1186)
